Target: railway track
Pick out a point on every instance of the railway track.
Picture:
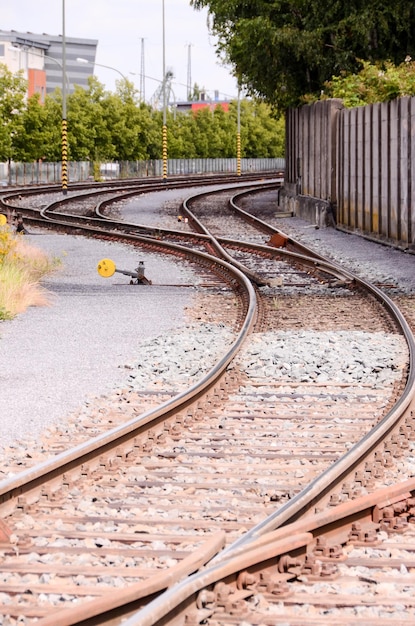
(99, 530)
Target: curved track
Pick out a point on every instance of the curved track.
(153, 499)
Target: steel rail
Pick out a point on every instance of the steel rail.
(280, 542)
(152, 184)
(301, 505)
(100, 218)
(32, 478)
(368, 443)
(286, 240)
(200, 228)
(132, 594)
(317, 489)
(319, 486)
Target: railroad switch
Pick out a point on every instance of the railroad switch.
(289, 564)
(411, 513)
(107, 268)
(206, 600)
(310, 569)
(200, 616)
(236, 604)
(394, 524)
(336, 499)
(351, 491)
(362, 478)
(395, 448)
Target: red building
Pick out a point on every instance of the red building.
(203, 103)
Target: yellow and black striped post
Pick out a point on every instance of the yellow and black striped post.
(164, 146)
(238, 154)
(238, 135)
(64, 122)
(64, 157)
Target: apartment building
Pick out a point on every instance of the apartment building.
(40, 57)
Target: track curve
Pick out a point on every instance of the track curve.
(167, 427)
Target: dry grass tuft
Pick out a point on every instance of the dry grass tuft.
(20, 272)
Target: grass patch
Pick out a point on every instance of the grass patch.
(22, 266)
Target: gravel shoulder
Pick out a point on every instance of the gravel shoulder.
(54, 358)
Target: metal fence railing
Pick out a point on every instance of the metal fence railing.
(19, 174)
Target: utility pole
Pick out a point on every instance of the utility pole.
(189, 71)
(142, 74)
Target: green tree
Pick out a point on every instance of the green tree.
(283, 49)
(89, 137)
(223, 134)
(104, 126)
(179, 136)
(377, 82)
(12, 104)
(53, 127)
(212, 134)
(30, 142)
(262, 134)
(132, 127)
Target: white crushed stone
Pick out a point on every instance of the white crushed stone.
(344, 357)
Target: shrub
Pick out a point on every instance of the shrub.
(21, 268)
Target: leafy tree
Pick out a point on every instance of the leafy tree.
(283, 49)
(53, 127)
(12, 103)
(131, 125)
(377, 82)
(262, 135)
(89, 137)
(30, 142)
(224, 129)
(105, 126)
(202, 132)
(179, 137)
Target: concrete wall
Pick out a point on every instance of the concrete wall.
(311, 161)
(354, 166)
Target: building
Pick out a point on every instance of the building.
(203, 103)
(41, 59)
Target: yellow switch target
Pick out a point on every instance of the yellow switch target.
(106, 268)
(3, 219)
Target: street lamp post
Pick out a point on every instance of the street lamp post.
(108, 67)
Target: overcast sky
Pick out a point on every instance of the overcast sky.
(120, 26)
